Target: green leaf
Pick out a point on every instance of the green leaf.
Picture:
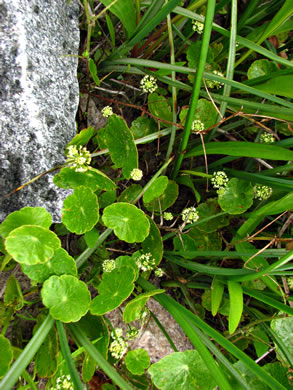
(137, 361)
(205, 112)
(280, 85)
(13, 294)
(166, 200)
(236, 197)
(46, 357)
(93, 71)
(159, 107)
(93, 178)
(208, 209)
(133, 309)
(217, 290)
(236, 305)
(66, 297)
(283, 327)
(121, 145)
(115, 287)
(261, 68)
(243, 149)
(281, 373)
(60, 264)
(125, 11)
(182, 371)
(25, 216)
(88, 368)
(91, 237)
(156, 189)
(203, 241)
(96, 330)
(129, 223)
(130, 193)
(153, 243)
(127, 261)
(80, 212)
(6, 355)
(32, 244)
(82, 138)
(143, 126)
(107, 198)
(261, 341)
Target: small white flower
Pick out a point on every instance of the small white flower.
(136, 174)
(148, 84)
(107, 111)
(168, 216)
(190, 215)
(159, 272)
(219, 179)
(108, 265)
(197, 26)
(64, 382)
(266, 138)
(214, 83)
(117, 334)
(146, 262)
(262, 192)
(118, 348)
(78, 157)
(197, 126)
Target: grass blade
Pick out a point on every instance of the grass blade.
(217, 290)
(236, 305)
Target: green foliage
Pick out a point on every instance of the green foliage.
(137, 361)
(13, 294)
(6, 355)
(156, 189)
(133, 309)
(236, 197)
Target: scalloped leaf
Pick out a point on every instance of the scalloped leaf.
(167, 199)
(208, 209)
(159, 106)
(6, 355)
(137, 361)
(93, 178)
(133, 308)
(143, 126)
(82, 137)
(129, 223)
(205, 112)
(115, 287)
(81, 210)
(25, 216)
(153, 243)
(182, 371)
(121, 145)
(237, 197)
(156, 189)
(127, 261)
(60, 264)
(32, 244)
(66, 297)
(91, 237)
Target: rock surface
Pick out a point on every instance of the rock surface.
(38, 97)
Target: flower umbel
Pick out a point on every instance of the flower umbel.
(168, 216)
(214, 83)
(262, 192)
(78, 157)
(197, 26)
(190, 215)
(159, 272)
(119, 346)
(109, 265)
(197, 126)
(64, 382)
(145, 262)
(107, 111)
(136, 174)
(148, 84)
(219, 179)
(266, 138)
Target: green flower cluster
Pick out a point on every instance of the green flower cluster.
(78, 157)
(189, 215)
(262, 192)
(168, 216)
(266, 138)
(219, 179)
(197, 26)
(149, 84)
(107, 111)
(214, 83)
(119, 346)
(108, 265)
(145, 262)
(197, 126)
(159, 272)
(136, 174)
(63, 383)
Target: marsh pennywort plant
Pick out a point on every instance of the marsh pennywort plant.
(225, 250)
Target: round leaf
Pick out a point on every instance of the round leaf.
(237, 197)
(91, 237)
(32, 244)
(130, 194)
(25, 216)
(82, 137)
(156, 189)
(13, 294)
(60, 264)
(182, 371)
(66, 297)
(129, 223)
(261, 68)
(205, 112)
(166, 199)
(6, 355)
(158, 106)
(137, 361)
(115, 287)
(127, 261)
(81, 210)
(208, 209)
(133, 308)
(153, 243)
(143, 126)
(93, 178)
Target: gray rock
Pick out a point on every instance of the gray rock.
(39, 96)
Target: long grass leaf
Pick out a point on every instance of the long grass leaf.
(236, 305)
(217, 290)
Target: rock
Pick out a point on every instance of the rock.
(39, 95)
